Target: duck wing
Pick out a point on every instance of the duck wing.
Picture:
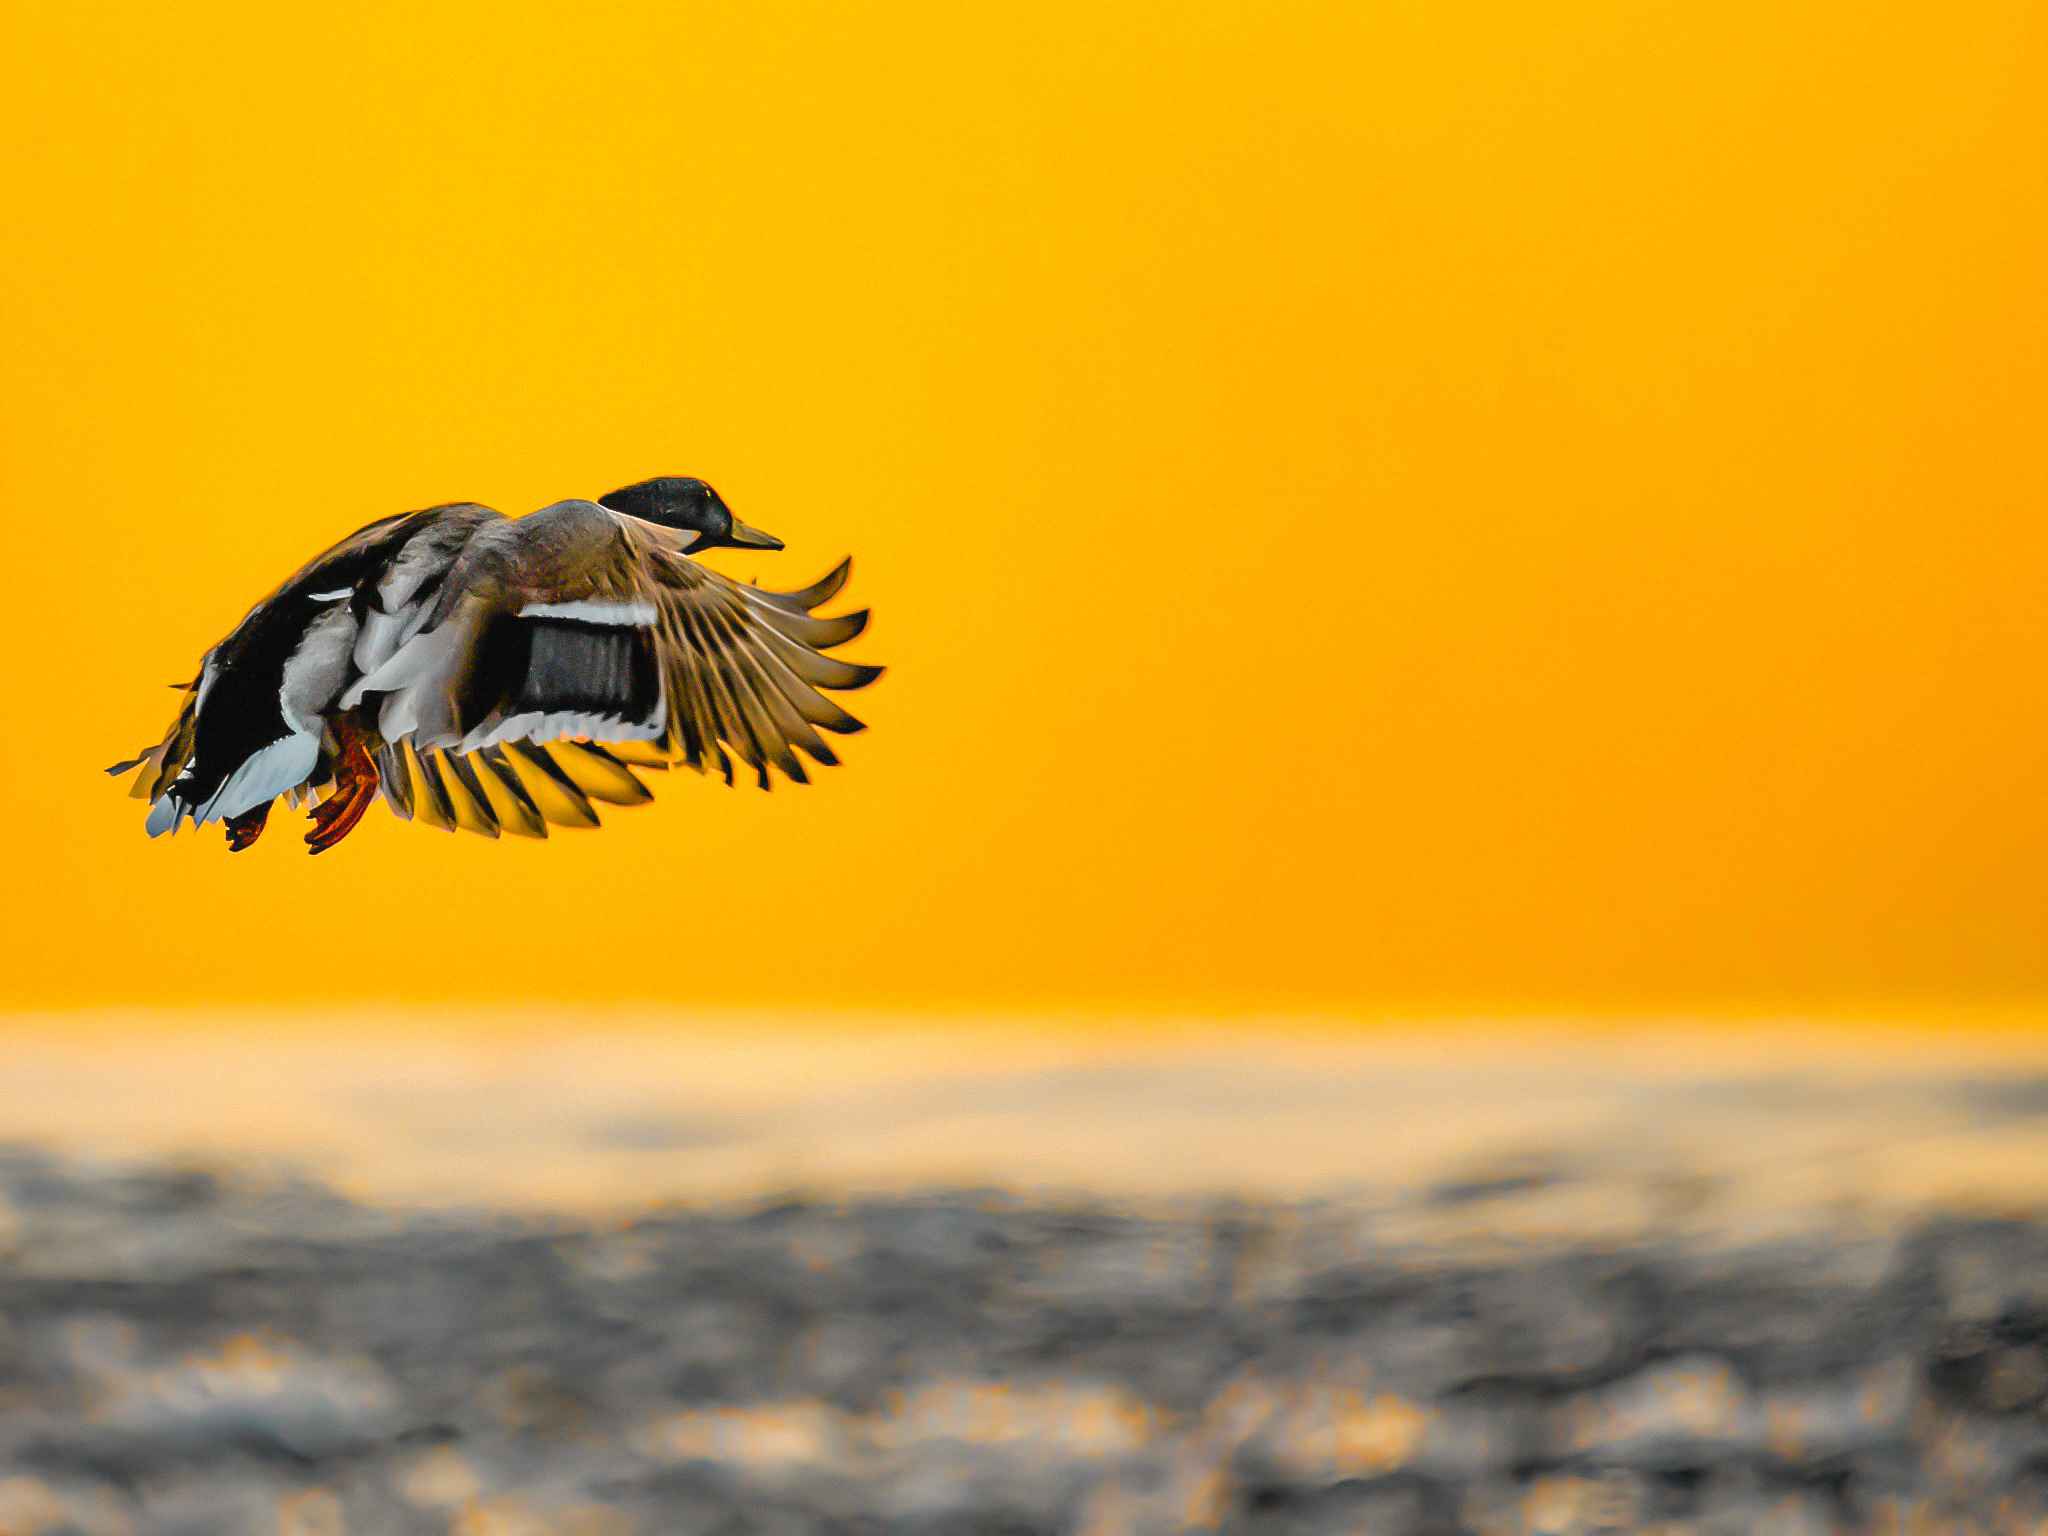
(579, 627)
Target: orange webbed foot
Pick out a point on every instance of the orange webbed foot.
(355, 786)
(336, 817)
(243, 830)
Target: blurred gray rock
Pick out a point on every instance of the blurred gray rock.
(184, 1352)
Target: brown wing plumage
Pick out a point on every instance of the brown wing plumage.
(577, 648)
(746, 669)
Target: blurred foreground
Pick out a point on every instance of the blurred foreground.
(645, 1284)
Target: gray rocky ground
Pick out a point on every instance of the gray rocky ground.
(182, 1352)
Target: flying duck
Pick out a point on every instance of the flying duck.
(502, 674)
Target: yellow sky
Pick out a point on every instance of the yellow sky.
(1367, 505)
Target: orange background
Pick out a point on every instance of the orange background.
(1369, 507)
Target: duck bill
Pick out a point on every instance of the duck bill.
(743, 537)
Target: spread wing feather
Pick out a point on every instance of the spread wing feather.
(461, 779)
(510, 800)
(553, 790)
(433, 804)
(804, 599)
(394, 779)
(599, 774)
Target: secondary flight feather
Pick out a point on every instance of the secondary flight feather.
(505, 675)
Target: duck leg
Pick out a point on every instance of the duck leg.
(355, 786)
(243, 830)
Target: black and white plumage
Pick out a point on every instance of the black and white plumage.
(502, 674)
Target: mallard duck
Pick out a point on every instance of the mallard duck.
(505, 674)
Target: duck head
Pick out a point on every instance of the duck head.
(688, 506)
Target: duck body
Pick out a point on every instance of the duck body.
(501, 674)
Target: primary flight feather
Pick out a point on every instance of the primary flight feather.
(504, 675)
